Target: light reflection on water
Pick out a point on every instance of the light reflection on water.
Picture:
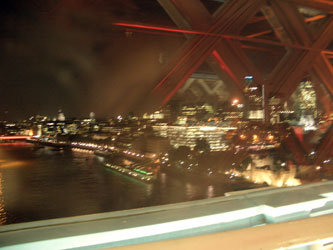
(42, 183)
(210, 191)
(3, 215)
(189, 190)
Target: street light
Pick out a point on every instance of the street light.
(235, 102)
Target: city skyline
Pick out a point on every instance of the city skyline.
(173, 123)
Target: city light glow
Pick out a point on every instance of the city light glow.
(14, 137)
(242, 136)
(233, 97)
(270, 137)
(235, 102)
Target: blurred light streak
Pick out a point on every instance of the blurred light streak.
(14, 137)
(234, 37)
(140, 26)
(224, 67)
(13, 164)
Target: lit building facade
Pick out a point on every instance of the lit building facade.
(253, 99)
(188, 135)
(305, 100)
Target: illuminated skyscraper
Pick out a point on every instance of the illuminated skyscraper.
(253, 99)
(305, 100)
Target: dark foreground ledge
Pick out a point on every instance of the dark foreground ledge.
(187, 222)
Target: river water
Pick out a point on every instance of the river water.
(42, 183)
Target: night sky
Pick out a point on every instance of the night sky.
(66, 54)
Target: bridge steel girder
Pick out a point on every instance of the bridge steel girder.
(322, 5)
(228, 19)
(292, 22)
(325, 71)
(316, 62)
(289, 74)
(323, 97)
(275, 24)
(177, 12)
(230, 57)
(324, 149)
(295, 27)
(307, 20)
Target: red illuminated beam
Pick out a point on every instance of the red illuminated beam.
(224, 66)
(234, 37)
(141, 26)
(307, 20)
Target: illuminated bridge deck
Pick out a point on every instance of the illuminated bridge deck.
(207, 220)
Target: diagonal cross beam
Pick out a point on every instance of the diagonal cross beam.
(185, 15)
(295, 28)
(228, 19)
(322, 5)
(324, 148)
(324, 70)
(322, 96)
(229, 52)
(287, 75)
(315, 62)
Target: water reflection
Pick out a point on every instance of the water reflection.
(41, 183)
(12, 164)
(3, 215)
(149, 190)
(163, 179)
(189, 190)
(210, 191)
